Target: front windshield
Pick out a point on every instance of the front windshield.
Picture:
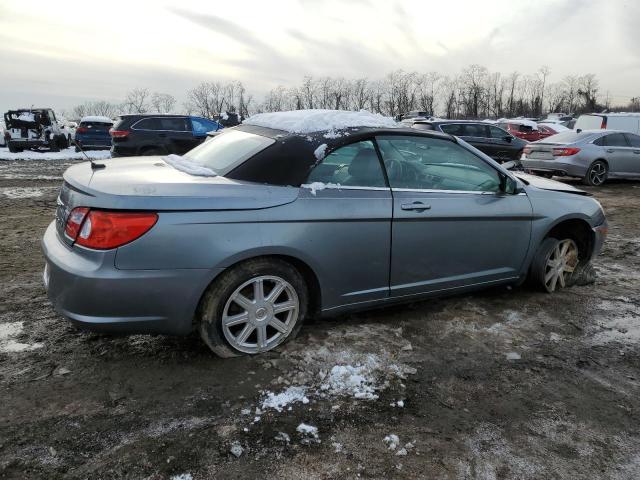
(227, 150)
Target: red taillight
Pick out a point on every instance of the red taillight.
(103, 230)
(564, 151)
(119, 133)
(82, 130)
(603, 125)
(74, 222)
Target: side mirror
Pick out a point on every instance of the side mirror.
(508, 138)
(508, 185)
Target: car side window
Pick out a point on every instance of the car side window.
(356, 165)
(634, 140)
(615, 140)
(175, 124)
(426, 163)
(202, 126)
(497, 133)
(475, 130)
(452, 129)
(147, 124)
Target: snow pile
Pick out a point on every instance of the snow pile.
(350, 381)
(188, 166)
(308, 432)
(391, 441)
(182, 476)
(26, 117)
(7, 343)
(284, 399)
(555, 126)
(308, 121)
(25, 192)
(66, 154)
(520, 121)
(320, 151)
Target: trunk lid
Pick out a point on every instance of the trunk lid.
(148, 183)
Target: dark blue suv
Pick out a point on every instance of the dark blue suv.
(156, 134)
(93, 133)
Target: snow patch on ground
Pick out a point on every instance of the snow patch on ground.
(308, 121)
(182, 476)
(620, 323)
(66, 154)
(285, 398)
(8, 344)
(352, 381)
(188, 166)
(25, 192)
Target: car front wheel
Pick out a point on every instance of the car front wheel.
(554, 263)
(253, 308)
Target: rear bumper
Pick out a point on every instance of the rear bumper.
(102, 143)
(86, 287)
(23, 143)
(123, 151)
(556, 167)
(600, 235)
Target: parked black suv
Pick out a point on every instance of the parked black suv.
(494, 141)
(155, 134)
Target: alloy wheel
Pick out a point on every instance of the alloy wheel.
(260, 314)
(561, 263)
(597, 173)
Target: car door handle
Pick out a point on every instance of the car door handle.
(610, 150)
(419, 206)
(636, 151)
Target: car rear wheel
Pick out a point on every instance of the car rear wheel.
(597, 174)
(554, 263)
(253, 308)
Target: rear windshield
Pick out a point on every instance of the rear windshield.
(227, 150)
(101, 125)
(589, 122)
(568, 137)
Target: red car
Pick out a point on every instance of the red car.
(522, 130)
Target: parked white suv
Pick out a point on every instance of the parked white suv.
(33, 128)
(627, 122)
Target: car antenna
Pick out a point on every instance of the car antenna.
(94, 165)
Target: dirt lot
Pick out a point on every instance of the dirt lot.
(500, 384)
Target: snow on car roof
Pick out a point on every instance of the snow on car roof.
(96, 118)
(309, 121)
(520, 121)
(558, 127)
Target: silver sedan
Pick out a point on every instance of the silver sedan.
(592, 155)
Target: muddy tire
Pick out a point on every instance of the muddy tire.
(253, 308)
(596, 174)
(554, 264)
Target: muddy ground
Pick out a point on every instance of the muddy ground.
(499, 384)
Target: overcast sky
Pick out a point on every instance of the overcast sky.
(63, 53)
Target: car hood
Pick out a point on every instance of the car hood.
(149, 183)
(547, 184)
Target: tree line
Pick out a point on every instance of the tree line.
(475, 92)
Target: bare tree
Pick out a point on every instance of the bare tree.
(162, 102)
(137, 100)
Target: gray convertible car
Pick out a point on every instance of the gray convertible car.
(259, 228)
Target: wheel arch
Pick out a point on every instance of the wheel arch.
(309, 274)
(579, 230)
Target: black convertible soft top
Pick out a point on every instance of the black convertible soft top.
(290, 159)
